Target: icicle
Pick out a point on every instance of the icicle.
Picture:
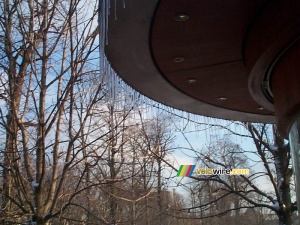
(206, 128)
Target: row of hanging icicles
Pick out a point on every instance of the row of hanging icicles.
(122, 95)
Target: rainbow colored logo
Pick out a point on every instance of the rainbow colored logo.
(185, 170)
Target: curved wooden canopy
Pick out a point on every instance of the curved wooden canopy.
(213, 58)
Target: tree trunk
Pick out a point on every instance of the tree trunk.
(159, 203)
(281, 157)
(112, 151)
(10, 148)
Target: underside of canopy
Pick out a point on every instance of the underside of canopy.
(213, 58)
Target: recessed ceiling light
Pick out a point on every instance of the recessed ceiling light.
(260, 108)
(178, 59)
(182, 17)
(191, 81)
(222, 98)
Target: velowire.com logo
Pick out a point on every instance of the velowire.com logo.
(187, 171)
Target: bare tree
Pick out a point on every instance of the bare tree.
(230, 196)
(279, 152)
(48, 53)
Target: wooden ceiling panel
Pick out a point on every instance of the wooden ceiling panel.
(213, 34)
(210, 44)
(211, 86)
